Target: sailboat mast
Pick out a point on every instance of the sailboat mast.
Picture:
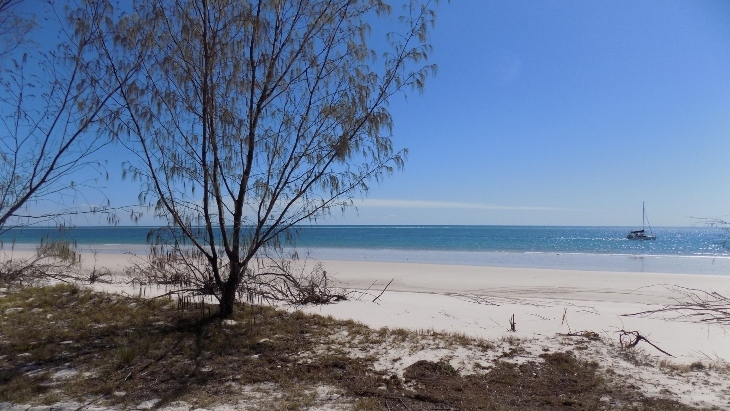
(643, 216)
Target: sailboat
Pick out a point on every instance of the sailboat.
(641, 234)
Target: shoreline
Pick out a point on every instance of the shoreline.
(715, 265)
(628, 263)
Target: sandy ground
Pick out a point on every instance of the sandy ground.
(479, 301)
(546, 304)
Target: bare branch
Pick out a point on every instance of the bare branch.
(53, 105)
(250, 117)
(630, 339)
(694, 305)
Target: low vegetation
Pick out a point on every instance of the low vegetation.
(65, 343)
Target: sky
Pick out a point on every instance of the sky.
(566, 113)
(557, 112)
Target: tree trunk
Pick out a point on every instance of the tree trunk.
(228, 299)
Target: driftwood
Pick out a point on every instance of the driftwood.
(366, 292)
(695, 305)
(381, 293)
(281, 281)
(629, 339)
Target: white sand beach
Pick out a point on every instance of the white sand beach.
(547, 305)
(479, 301)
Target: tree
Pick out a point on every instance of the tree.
(14, 28)
(54, 99)
(251, 117)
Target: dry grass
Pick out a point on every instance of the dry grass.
(63, 342)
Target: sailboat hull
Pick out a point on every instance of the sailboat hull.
(640, 237)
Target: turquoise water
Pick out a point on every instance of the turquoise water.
(696, 250)
(593, 240)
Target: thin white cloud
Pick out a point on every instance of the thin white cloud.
(383, 203)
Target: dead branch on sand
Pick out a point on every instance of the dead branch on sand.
(695, 305)
(297, 284)
(629, 339)
(381, 293)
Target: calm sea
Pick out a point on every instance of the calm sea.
(699, 250)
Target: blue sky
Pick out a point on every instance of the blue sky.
(566, 113)
(562, 113)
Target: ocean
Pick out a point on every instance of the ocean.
(693, 250)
